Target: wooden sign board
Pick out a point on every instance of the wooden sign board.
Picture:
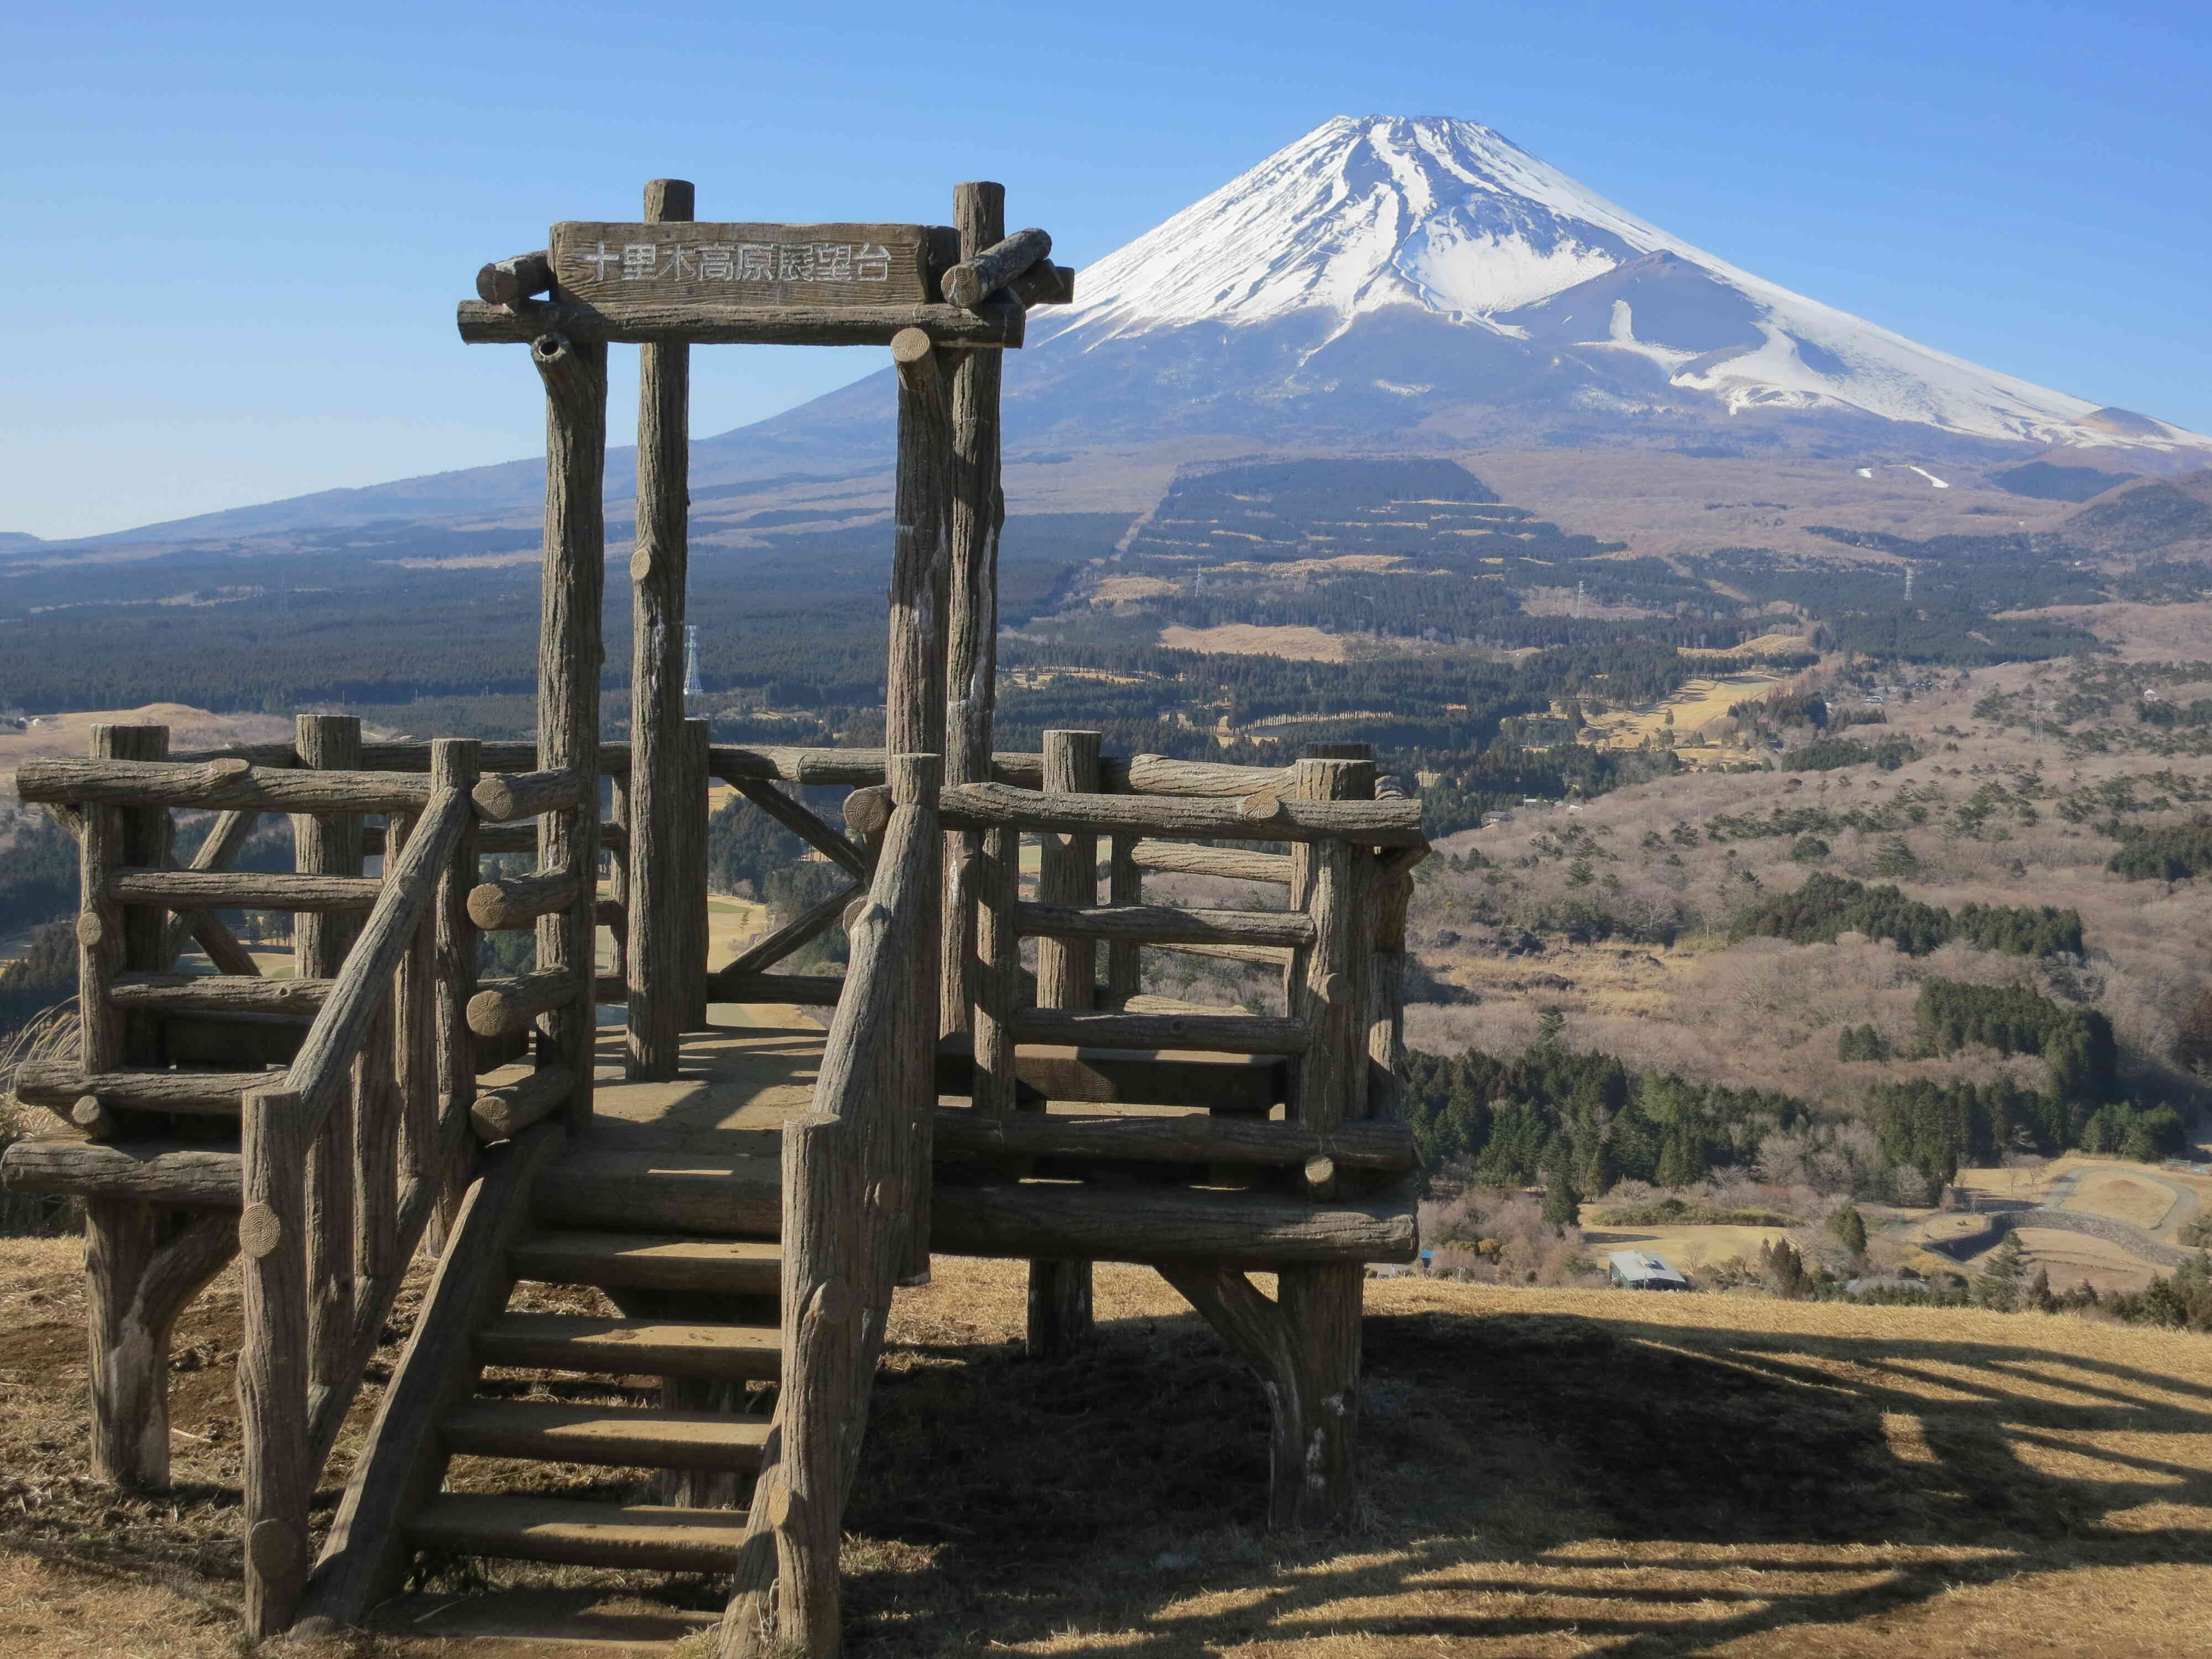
(751, 264)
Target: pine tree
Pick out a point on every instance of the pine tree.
(1677, 1168)
(1599, 1172)
(1563, 1205)
(1998, 1284)
(2040, 1294)
(1850, 1227)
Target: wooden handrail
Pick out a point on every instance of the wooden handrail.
(1262, 815)
(856, 1186)
(325, 1058)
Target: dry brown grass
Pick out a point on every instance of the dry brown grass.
(1298, 644)
(1548, 1473)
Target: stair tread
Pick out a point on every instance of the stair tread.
(650, 1261)
(625, 1347)
(555, 1432)
(643, 1536)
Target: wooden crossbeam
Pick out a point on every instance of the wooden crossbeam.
(803, 824)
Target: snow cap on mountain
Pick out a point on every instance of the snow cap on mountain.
(1366, 215)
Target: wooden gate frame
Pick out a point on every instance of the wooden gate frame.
(950, 506)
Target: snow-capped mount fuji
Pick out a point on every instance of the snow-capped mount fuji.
(1394, 276)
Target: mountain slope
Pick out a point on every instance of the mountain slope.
(1386, 283)
(1333, 262)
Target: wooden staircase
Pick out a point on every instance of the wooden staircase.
(698, 1300)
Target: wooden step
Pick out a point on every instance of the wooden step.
(636, 1535)
(1128, 1077)
(622, 1435)
(631, 1347)
(651, 1261)
(666, 1192)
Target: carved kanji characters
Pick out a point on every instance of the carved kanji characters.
(638, 261)
(871, 263)
(679, 261)
(599, 261)
(718, 262)
(755, 262)
(795, 262)
(833, 262)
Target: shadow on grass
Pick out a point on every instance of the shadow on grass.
(1515, 1467)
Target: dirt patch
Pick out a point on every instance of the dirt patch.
(1245, 640)
(1122, 590)
(2139, 1203)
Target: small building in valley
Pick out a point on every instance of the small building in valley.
(1637, 1270)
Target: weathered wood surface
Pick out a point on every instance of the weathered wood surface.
(982, 273)
(569, 653)
(1158, 924)
(662, 1192)
(454, 941)
(57, 1084)
(183, 1175)
(140, 1274)
(657, 815)
(914, 706)
(273, 1362)
(1234, 863)
(1067, 884)
(735, 1267)
(327, 1052)
(641, 1537)
(517, 902)
(503, 281)
(225, 839)
(500, 1005)
(999, 323)
(1043, 283)
(794, 817)
(1148, 1223)
(504, 1112)
(505, 796)
(815, 919)
(978, 514)
(1247, 1084)
(217, 993)
(1165, 774)
(553, 1432)
(365, 1555)
(834, 265)
(1232, 1034)
(1261, 817)
(851, 1174)
(1191, 1138)
(804, 990)
(242, 889)
(232, 784)
(327, 845)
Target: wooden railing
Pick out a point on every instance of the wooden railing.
(856, 1192)
(362, 1143)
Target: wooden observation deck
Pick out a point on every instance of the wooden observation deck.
(747, 1194)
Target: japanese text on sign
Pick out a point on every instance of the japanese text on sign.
(736, 262)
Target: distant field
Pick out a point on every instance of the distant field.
(2139, 1203)
(1687, 1248)
(1247, 640)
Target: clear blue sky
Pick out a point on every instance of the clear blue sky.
(238, 231)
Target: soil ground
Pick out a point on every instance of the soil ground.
(1548, 1473)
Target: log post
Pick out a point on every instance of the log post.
(140, 1280)
(1060, 1317)
(978, 511)
(689, 809)
(329, 845)
(128, 1349)
(273, 1362)
(1313, 1480)
(913, 711)
(660, 988)
(568, 660)
(1125, 884)
(448, 1158)
(997, 878)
